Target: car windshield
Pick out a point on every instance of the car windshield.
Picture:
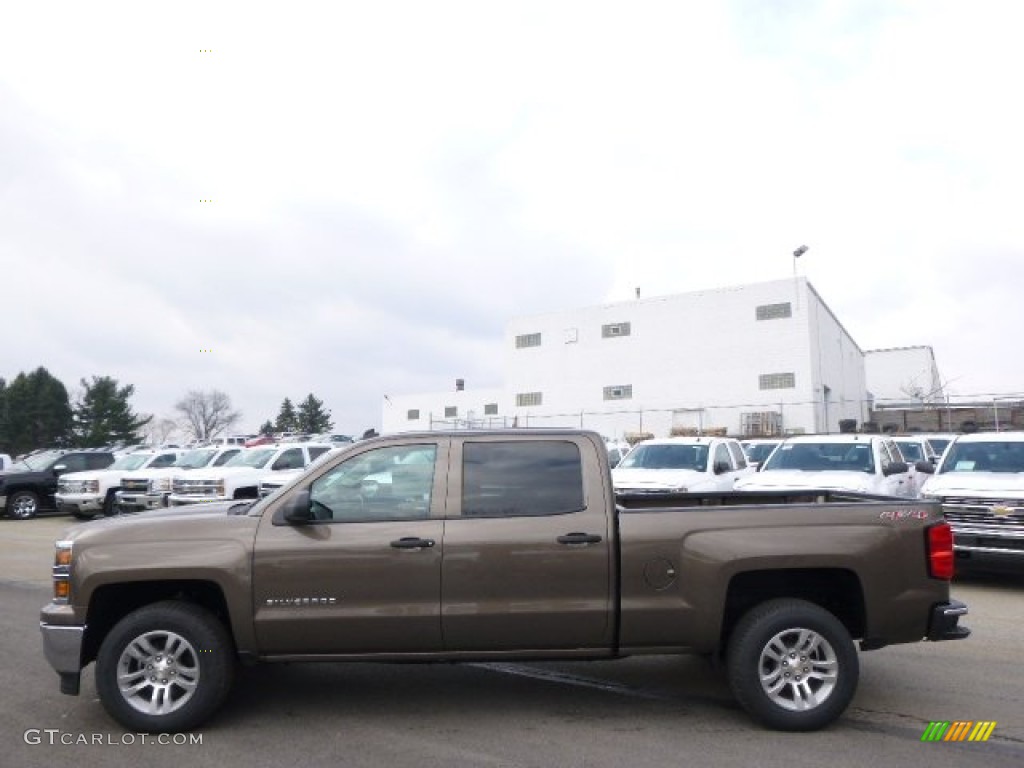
(911, 451)
(195, 459)
(984, 457)
(38, 462)
(256, 459)
(758, 452)
(822, 457)
(132, 461)
(666, 457)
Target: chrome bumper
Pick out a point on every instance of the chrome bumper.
(63, 649)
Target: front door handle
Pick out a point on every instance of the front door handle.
(579, 538)
(412, 542)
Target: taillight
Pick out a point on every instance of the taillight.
(940, 551)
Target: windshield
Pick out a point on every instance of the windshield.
(667, 457)
(195, 459)
(131, 461)
(822, 457)
(758, 452)
(39, 461)
(911, 451)
(255, 459)
(984, 457)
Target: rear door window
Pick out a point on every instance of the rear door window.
(521, 478)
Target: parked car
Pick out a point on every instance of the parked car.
(498, 545)
(681, 465)
(759, 449)
(980, 483)
(87, 494)
(850, 462)
(150, 488)
(31, 485)
(240, 477)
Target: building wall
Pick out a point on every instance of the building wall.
(691, 360)
(903, 375)
(470, 406)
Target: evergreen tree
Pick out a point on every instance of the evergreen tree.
(286, 418)
(267, 428)
(312, 418)
(103, 415)
(38, 412)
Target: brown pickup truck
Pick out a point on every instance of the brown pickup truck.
(495, 545)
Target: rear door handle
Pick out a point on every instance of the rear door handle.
(412, 542)
(579, 538)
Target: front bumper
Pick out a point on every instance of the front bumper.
(79, 502)
(182, 499)
(943, 622)
(140, 502)
(62, 646)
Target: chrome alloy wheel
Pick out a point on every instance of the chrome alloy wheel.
(798, 669)
(23, 506)
(158, 672)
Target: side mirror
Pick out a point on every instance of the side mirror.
(58, 468)
(297, 510)
(896, 468)
(925, 466)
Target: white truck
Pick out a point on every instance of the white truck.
(240, 477)
(87, 494)
(861, 463)
(980, 483)
(681, 465)
(149, 488)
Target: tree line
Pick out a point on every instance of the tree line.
(36, 411)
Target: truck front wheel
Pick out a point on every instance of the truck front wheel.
(792, 665)
(165, 667)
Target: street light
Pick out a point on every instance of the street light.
(796, 255)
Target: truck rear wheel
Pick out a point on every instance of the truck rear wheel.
(792, 665)
(165, 667)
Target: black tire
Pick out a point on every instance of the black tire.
(22, 505)
(191, 681)
(806, 657)
(109, 504)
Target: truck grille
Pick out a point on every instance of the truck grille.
(195, 487)
(71, 486)
(978, 527)
(134, 485)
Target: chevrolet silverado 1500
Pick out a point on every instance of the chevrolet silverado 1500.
(465, 546)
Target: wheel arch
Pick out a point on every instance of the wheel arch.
(112, 602)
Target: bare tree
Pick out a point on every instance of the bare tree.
(159, 430)
(206, 414)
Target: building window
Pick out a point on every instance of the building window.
(618, 392)
(451, 411)
(525, 399)
(413, 414)
(613, 330)
(774, 312)
(777, 380)
(528, 340)
(490, 409)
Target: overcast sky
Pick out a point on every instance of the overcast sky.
(390, 182)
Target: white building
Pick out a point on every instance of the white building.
(763, 358)
(903, 376)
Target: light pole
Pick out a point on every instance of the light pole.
(796, 255)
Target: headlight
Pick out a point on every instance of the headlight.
(221, 488)
(679, 489)
(930, 497)
(90, 486)
(160, 485)
(62, 572)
